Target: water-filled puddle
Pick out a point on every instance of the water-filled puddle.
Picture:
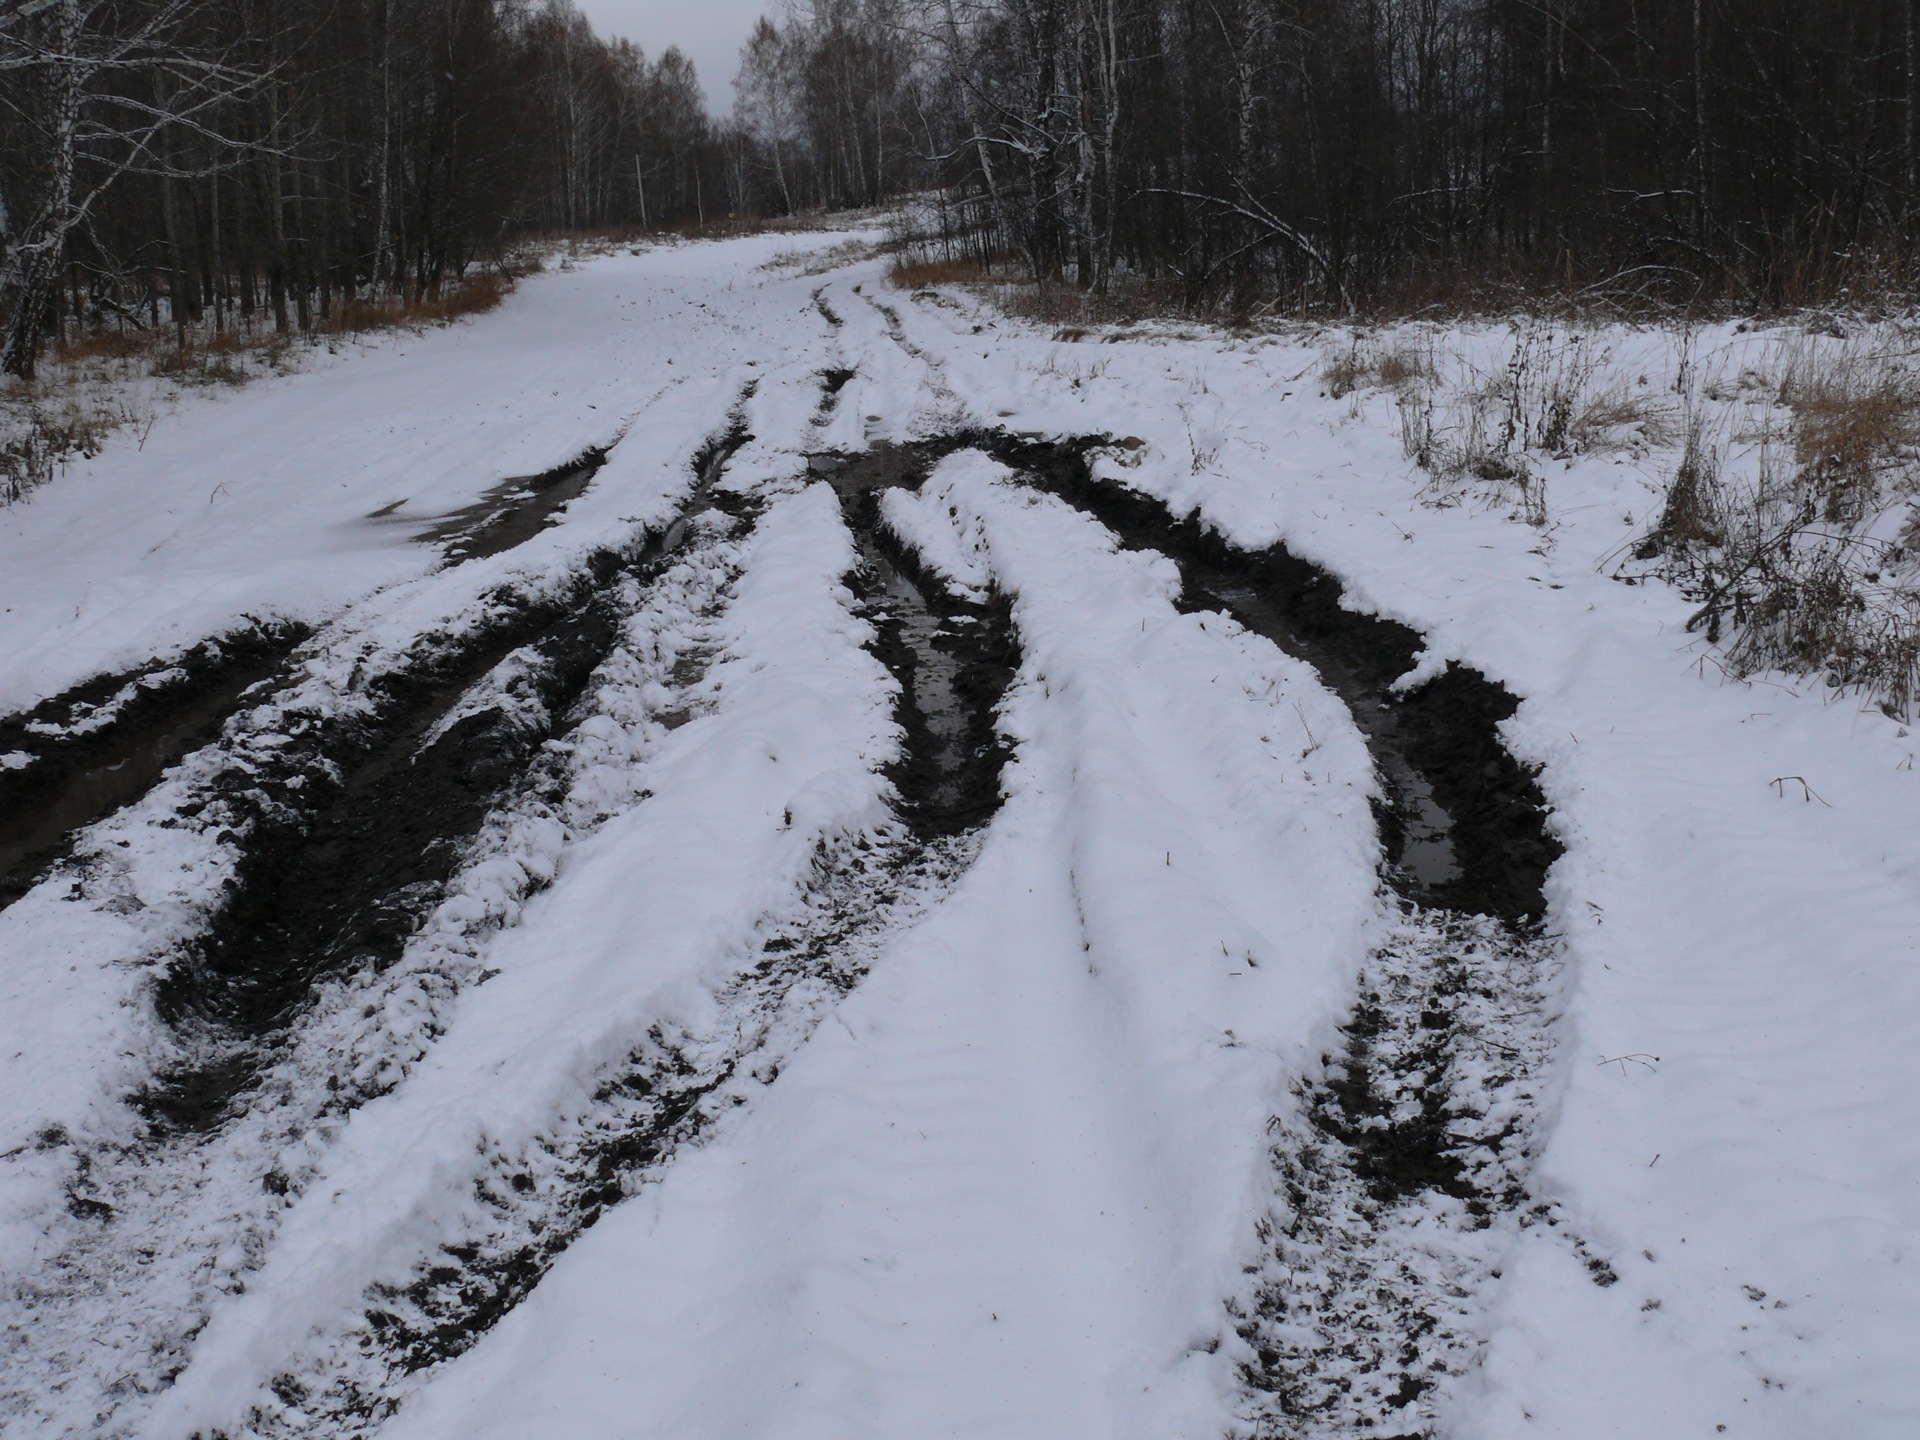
(505, 516)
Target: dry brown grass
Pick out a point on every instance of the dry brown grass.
(833, 257)
(1074, 312)
(1618, 416)
(104, 345)
(474, 295)
(1367, 363)
(1808, 558)
(1856, 416)
(908, 273)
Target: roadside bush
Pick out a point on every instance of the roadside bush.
(1809, 561)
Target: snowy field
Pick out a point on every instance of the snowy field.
(728, 850)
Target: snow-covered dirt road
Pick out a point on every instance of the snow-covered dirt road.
(733, 851)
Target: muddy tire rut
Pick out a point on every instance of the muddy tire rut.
(953, 660)
(318, 982)
(355, 843)
(1402, 1168)
(84, 753)
(1399, 1171)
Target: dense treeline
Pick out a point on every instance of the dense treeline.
(266, 161)
(196, 161)
(1349, 151)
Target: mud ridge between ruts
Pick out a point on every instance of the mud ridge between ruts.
(82, 754)
(350, 842)
(953, 660)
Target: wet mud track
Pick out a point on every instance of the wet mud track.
(1465, 823)
(513, 512)
(79, 756)
(354, 847)
(86, 752)
(1394, 1173)
(320, 983)
(952, 659)
(1403, 1166)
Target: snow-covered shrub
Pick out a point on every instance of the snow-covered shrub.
(1791, 514)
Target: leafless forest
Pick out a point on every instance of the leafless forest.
(276, 163)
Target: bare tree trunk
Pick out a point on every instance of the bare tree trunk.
(1912, 156)
(1702, 213)
(383, 208)
(27, 280)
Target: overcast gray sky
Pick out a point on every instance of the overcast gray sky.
(711, 31)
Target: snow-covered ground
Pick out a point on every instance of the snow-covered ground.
(719, 1073)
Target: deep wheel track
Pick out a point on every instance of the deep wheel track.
(450, 770)
(91, 749)
(1402, 1169)
(952, 659)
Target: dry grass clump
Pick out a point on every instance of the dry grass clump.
(834, 257)
(1072, 311)
(44, 433)
(919, 273)
(474, 295)
(1552, 396)
(1811, 556)
(1856, 421)
(1367, 363)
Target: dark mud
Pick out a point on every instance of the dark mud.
(954, 661)
(667, 1094)
(512, 512)
(1465, 824)
(954, 658)
(356, 846)
(1419, 1125)
(1400, 1176)
(102, 744)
